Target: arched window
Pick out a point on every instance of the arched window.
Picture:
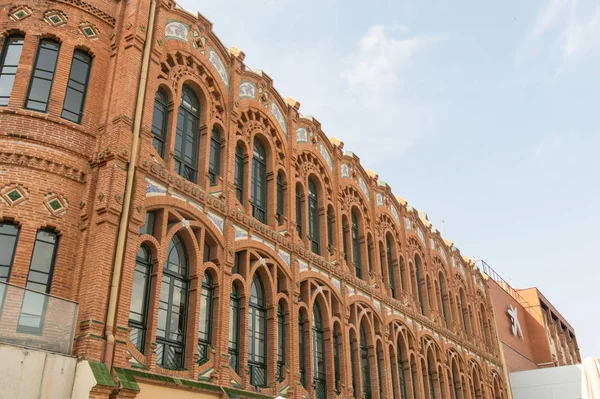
(402, 369)
(234, 328)
(356, 246)
(214, 162)
(259, 182)
(403, 277)
(280, 341)
(345, 232)
(138, 310)
(330, 230)
(9, 234)
(364, 364)
(206, 315)
(443, 300)
(9, 62)
(462, 308)
(456, 383)
(160, 119)
(42, 75)
(77, 86)
(419, 283)
(280, 199)
(337, 353)
(380, 361)
(172, 307)
(299, 209)
(187, 135)
(431, 375)
(354, 358)
(238, 173)
(414, 375)
(313, 217)
(257, 334)
(390, 264)
(370, 253)
(319, 369)
(301, 350)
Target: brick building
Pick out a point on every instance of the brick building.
(532, 333)
(218, 243)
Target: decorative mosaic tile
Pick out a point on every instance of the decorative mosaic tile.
(285, 256)
(377, 305)
(351, 291)
(421, 235)
(177, 30)
(217, 220)
(240, 233)
(55, 18)
(247, 90)
(363, 186)
(301, 135)
(326, 156)
(337, 283)
(266, 242)
(19, 13)
(279, 116)
(14, 194)
(345, 169)
(89, 30)
(303, 265)
(55, 204)
(154, 189)
(379, 199)
(395, 213)
(216, 61)
(389, 310)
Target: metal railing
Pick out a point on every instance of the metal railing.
(36, 320)
(491, 273)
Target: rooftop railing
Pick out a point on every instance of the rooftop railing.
(36, 320)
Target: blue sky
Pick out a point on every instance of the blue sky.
(486, 117)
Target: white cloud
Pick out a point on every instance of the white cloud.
(380, 57)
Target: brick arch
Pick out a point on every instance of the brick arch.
(308, 164)
(351, 196)
(253, 121)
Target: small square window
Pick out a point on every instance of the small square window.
(55, 204)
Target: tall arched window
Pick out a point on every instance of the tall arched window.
(364, 364)
(330, 230)
(280, 340)
(206, 314)
(172, 307)
(484, 327)
(462, 308)
(390, 264)
(402, 369)
(319, 369)
(431, 375)
(380, 361)
(313, 217)
(238, 173)
(301, 349)
(337, 353)
(9, 62)
(419, 283)
(356, 246)
(9, 234)
(77, 86)
(214, 162)
(345, 232)
(299, 209)
(370, 253)
(414, 375)
(160, 119)
(257, 334)
(443, 299)
(42, 76)
(138, 310)
(187, 135)
(280, 199)
(259, 182)
(233, 345)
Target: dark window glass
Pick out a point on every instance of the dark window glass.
(171, 326)
(337, 352)
(413, 376)
(330, 230)
(39, 279)
(379, 372)
(356, 246)
(345, 239)
(205, 324)
(207, 255)
(301, 350)
(364, 365)
(353, 360)
(9, 61)
(257, 334)
(431, 378)
(187, 135)
(314, 234)
(140, 292)
(259, 182)
(148, 227)
(279, 199)
(319, 369)
(443, 295)
(160, 120)
(402, 372)
(77, 86)
(418, 278)
(299, 210)
(234, 328)
(9, 234)
(370, 253)
(390, 264)
(214, 162)
(280, 341)
(42, 76)
(238, 174)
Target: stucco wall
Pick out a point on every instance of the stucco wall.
(552, 383)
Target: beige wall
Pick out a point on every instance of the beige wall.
(149, 391)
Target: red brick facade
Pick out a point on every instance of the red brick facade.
(440, 321)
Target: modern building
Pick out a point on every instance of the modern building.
(170, 226)
(533, 334)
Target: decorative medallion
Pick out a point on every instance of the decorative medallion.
(408, 224)
(279, 116)
(19, 13)
(301, 135)
(55, 204)
(216, 62)
(89, 30)
(247, 89)
(177, 30)
(14, 194)
(55, 18)
(345, 169)
(379, 199)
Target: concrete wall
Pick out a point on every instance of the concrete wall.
(551, 383)
(149, 391)
(26, 374)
